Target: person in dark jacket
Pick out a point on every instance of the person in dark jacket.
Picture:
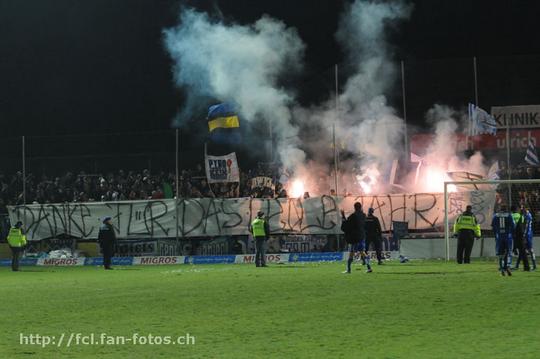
(374, 234)
(107, 241)
(354, 228)
(520, 243)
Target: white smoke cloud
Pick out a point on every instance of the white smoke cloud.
(440, 155)
(244, 64)
(241, 64)
(442, 151)
(372, 126)
(367, 126)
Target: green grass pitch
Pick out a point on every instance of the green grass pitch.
(422, 309)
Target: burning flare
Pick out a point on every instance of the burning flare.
(434, 180)
(297, 188)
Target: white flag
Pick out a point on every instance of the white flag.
(222, 168)
(493, 172)
(530, 156)
(481, 122)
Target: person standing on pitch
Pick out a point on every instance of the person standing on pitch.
(17, 241)
(260, 230)
(466, 228)
(518, 237)
(527, 240)
(529, 237)
(503, 227)
(374, 234)
(107, 241)
(354, 228)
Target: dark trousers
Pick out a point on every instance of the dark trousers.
(464, 249)
(108, 253)
(260, 251)
(522, 256)
(15, 256)
(376, 243)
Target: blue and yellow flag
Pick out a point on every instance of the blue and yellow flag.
(223, 124)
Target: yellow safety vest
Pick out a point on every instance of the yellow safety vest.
(517, 218)
(467, 222)
(15, 237)
(258, 227)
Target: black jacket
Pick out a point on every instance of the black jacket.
(373, 228)
(354, 227)
(106, 236)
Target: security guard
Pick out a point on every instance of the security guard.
(260, 230)
(466, 228)
(107, 241)
(17, 241)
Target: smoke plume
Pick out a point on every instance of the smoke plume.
(366, 126)
(242, 64)
(245, 64)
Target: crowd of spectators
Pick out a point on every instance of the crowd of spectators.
(132, 185)
(84, 187)
(523, 194)
(521, 172)
(144, 185)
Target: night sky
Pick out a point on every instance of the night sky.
(98, 66)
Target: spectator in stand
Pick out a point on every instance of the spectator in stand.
(132, 185)
(531, 173)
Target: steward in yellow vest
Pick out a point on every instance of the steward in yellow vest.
(17, 241)
(260, 230)
(466, 228)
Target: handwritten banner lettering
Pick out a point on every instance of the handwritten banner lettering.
(204, 217)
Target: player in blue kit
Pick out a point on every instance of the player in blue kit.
(528, 237)
(503, 226)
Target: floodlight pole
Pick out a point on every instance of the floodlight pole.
(508, 170)
(24, 170)
(335, 149)
(334, 131)
(446, 227)
(177, 197)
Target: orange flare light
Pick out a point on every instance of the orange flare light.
(297, 188)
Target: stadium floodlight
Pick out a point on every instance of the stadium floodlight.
(505, 192)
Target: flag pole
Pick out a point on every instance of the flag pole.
(334, 131)
(207, 179)
(475, 73)
(475, 82)
(508, 170)
(177, 197)
(271, 141)
(417, 173)
(24, 169)
(405, 133)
